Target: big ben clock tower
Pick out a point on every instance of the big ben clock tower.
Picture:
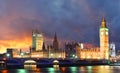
(104, 40)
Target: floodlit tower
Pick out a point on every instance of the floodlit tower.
(104, 40)
(37, 41)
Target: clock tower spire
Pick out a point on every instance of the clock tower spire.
(104, 40)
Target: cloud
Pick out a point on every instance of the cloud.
(73, 20)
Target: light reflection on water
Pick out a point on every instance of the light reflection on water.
(82, 69)
(30, 67)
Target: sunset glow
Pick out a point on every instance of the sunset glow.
(23, 44)
(72, 20)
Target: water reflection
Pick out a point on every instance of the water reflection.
(56, 64)
(51, 70)
(30, 65)
(89, 69)
(63, 69)
(2, 65)
(73, 69)
(56, 67)
(102, 69)
(4, 71)
(21, 71)
(82, 69)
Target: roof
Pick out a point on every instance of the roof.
(103, 23)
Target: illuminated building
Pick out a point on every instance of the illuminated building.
(49, 52)
(70, 50)
(54, 50)
(87, 53)
(112, 50)
(96, 53)
(9, 52)
(13, 52)
(104, 40)
(38, 47)
(37, 41)
(60, 53)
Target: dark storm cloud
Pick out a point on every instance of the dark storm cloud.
(76, 20)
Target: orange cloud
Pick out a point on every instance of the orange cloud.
(23, 43)
(14, 33)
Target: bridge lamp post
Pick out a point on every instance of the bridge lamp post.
(73, 56)
(22, 54)
(8, 55)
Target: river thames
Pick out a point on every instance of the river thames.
(81, 69)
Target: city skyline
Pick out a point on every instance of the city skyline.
(72, 20)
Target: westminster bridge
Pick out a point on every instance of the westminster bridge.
(48, 62)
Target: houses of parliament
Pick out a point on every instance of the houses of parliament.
(81, 53)
(96, 53)
(40, 50)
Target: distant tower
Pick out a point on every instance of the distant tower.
(104, 40)
(112, 50)
(37, 41)
(55, 43)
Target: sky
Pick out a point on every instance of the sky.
(72, 20)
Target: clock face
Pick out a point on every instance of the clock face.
(106, 33)
(102, 33)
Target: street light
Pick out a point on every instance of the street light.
(21, 54)
(76, 57)
(73, 55)
(7, 55)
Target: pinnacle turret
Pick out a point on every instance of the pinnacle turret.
(103, 23)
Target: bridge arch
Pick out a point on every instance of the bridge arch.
(30, 61)
(30, 64)
(55, 62)
(13, 61)
(2, 64)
